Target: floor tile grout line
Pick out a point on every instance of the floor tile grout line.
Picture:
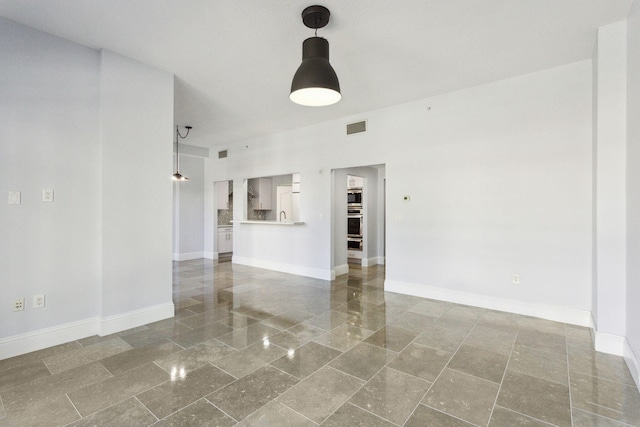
(624, 424)
(356, 392)
(566, 346)
(442, 370)
(504, 374)
(74, 407)
(218, 408)
(145, 407)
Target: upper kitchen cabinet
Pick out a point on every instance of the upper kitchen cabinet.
(355, 181)
(262, 201)
(222, 194)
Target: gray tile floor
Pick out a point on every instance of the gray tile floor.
(252, 347)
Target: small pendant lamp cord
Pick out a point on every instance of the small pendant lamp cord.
(179, 136)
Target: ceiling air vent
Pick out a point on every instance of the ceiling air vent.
(222, 154)
(356, 127)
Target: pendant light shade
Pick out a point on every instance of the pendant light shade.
(178, 177)
(315, 84)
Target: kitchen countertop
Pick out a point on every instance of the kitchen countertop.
(271, 222)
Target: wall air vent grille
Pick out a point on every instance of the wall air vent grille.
(356, 127)
(222, 154)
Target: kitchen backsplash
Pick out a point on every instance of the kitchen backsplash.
(225, 216)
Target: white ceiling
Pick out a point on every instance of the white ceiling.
(234, 60)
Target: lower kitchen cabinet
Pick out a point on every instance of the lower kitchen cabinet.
(225, 240)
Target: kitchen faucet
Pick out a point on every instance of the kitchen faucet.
(283, 213)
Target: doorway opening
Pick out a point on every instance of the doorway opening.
(358, 217)
(224, 216)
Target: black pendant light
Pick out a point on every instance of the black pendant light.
(315, 84)
(178, 176)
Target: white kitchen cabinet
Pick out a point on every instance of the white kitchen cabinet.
(225, 240)
(222, 194)
(263, 200)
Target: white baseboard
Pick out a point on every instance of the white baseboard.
(609, 343)
(37, 340)
(339, 270)
(632, 362)
(120, 322)
(186, 256)
(316, 273)
(42, 338)
(558, 314)
(370, 262)
(210, 255)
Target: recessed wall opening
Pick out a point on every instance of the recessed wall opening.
(358, 226)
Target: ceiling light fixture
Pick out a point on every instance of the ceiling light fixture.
(178, 176)
(315, 84)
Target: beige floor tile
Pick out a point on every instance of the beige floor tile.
(199, 414)
(541, 399)
(424, 416)
(497, 340)
(243, 337)
(127, 360)
(305, 347)
(391, 394)
(127, 413)
(502, 417)
(248, 394)
(479, 362)
(462, 396)
(541, 364)
(194, 357)
(620, 402)
(276, 414)
(304, 361)
(320, 394)
(25, 396)
(23, 373)
(343, 337)
(183, 389)
(420, 361)
(363, 360)
(392, 338)
(103, 394)
(45, 413)
(353, 416)
(250, 358)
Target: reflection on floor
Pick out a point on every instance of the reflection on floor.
(262, 348)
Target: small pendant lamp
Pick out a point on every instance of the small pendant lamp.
(315, 84)
(178, 176)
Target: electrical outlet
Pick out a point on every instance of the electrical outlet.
(18, 304)
(515, 279)
(38, 301)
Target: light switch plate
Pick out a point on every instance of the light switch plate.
(14, 197)
(47, 195)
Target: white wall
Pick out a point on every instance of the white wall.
(188, 221)
(49, 120)
(610, 155)
(500, 183)
(632, 352)
(95, 128)
(136, 135)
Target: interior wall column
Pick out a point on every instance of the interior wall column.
(609, 188)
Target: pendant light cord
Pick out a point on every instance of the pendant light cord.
(178, 137)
